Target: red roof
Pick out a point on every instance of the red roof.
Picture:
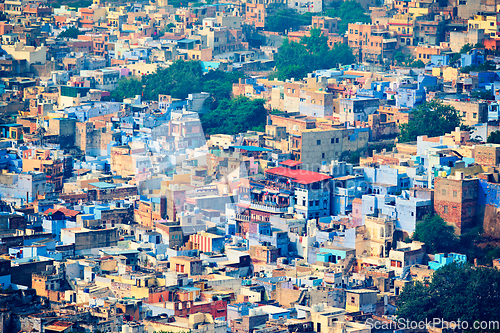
(298, 176)
(65, 211)
(291, 163)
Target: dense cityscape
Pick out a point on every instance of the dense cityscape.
(255, 166)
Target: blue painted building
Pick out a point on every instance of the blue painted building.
(472, 58)
(28, 251)
(410, 97)
(334, 254)
(443, 259)
(440, 60)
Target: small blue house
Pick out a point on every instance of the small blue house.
(443, 259)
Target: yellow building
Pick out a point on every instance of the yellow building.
(403, 25)
(361, 300)
(486, 22)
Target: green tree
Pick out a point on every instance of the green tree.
(399, 57)
(438, 236)
(3, 17)
(287, 19)
(166, 29)
(71, 32)
(312, 53)
(178, 80)
(219, 85)
(483, 94)
(413, 297)
(455, 57)
(484, 67)
(239, 114)
(349, 12)
(292, 60)
(417, 64)
(494, 137)
(455, 292)
(431, 119)
(127, 87)
(466, 48)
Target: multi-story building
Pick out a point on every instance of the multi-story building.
(311, 190)
(372, 43)
(430, 32)
(255, 14)
(472, 113)
(487, 154)
(50, 162)
(316, 147)
(356, 109)
(306, 6)
(207, 242)
(325, 23)
(486, 22)
(24, 187)
(455, 200)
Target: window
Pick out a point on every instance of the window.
(446, 209)
(332, 140)
(443, 192)
(322, 155)
(474, 115)
(454, 193)
(318, 142)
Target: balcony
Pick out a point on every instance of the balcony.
(274, 185)
(272, 208)
(244, 218)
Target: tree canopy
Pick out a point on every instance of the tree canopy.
(71, 32)
(287, 19)
(127, 87)
(494, 137)
(239, 114)
(438, 236)
(455, 292)
(417, 64)
(482, 94)
(178, 80)
(312, 53)
(349, 12)
(484, 67)
(432, 119)
(186, 77)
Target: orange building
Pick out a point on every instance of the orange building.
(46, 161)
(255, 14)
(424, 53)
(86, 17)
(371, 42)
